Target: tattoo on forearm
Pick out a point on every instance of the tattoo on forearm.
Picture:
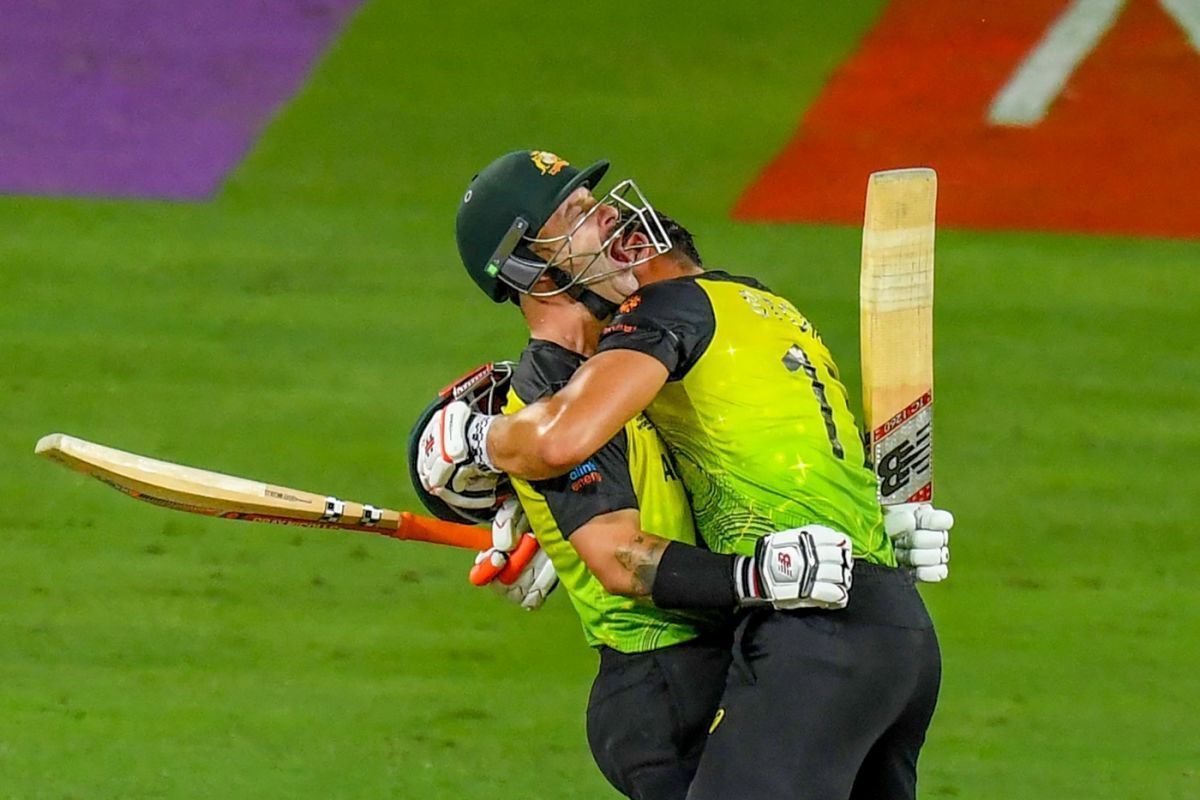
(640, 559)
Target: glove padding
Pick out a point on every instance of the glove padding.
(515, 566)
(532, 584)
(452, 462)
(509, 527)
(809, 567)
(920, 536)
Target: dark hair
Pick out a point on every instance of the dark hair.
(681, 239)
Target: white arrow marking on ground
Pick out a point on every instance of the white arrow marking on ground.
(1187, 14)
(1040, 78)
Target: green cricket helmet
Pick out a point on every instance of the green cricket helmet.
(508, 203)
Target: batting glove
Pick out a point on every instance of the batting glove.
(509, 527)
(453, 463)
(809, 567)
(530, 587)
(920, 536)
(515, 566)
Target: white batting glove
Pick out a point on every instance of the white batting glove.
(453, 463)
(515, 565)
(508, 525)
(920, 536)
(532, 585)
(809, 567)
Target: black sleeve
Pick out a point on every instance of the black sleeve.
(671, 321)
(693, 578)
(597, 486)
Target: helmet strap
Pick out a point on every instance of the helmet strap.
(601, 308)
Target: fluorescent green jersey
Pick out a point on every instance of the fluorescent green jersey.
(634, 470)
(753, 412)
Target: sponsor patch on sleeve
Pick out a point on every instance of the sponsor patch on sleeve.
(586, 474)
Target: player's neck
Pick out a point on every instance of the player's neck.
(664, 268)
(567, 324)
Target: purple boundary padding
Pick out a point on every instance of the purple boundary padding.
(146, 98)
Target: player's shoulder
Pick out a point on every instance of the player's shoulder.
(684, 292)
(544, 368)
(663, 300)
(669, 288)
(721, 277)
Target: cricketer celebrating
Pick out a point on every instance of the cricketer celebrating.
(818, 703)
(662, 667)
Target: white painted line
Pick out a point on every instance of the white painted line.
(1187, 14)
(1040, 78)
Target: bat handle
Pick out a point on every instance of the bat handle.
(427, 529)
(507, 573)
(518, 559)
(485, 572)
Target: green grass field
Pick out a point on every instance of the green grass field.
(292, 328)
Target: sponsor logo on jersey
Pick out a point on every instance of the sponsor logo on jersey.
(619, 329)
(584, 475)
(547, 163)
(585, 468)
(586, 480)
(631, 302)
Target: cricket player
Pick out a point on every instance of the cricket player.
(818, 703)
(662, 667)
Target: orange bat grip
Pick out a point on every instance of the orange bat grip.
(519, 559)
(427, 529)
(507, 573)
(484, 572)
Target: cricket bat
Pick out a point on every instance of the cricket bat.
(214, 494)
(896, 319)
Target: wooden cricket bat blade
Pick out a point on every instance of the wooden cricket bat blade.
(201, 491)
(896, 319)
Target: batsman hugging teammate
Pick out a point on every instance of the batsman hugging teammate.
(820, 701)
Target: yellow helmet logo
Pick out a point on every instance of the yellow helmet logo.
(547, 163)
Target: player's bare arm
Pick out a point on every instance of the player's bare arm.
(622, 556)
(549, 437)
